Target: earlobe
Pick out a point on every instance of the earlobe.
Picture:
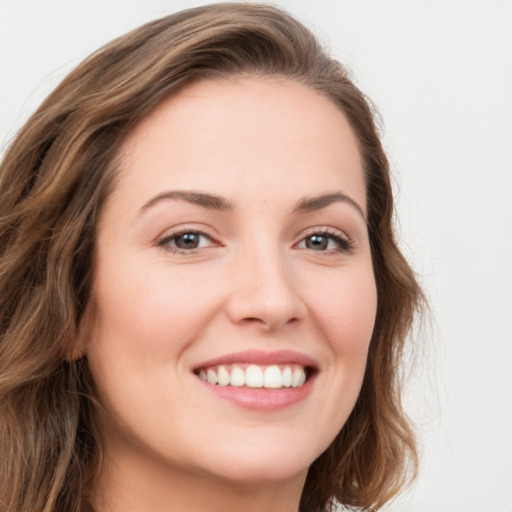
(78, 348)
(75, 354)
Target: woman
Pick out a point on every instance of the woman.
(203, 305)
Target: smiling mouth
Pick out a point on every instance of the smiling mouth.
(256, 376)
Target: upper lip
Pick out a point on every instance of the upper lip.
(262, 358)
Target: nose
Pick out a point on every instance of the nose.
(263, 291)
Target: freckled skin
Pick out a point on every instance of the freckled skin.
(254, 282)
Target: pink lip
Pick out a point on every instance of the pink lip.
(260, 398)
(262, 358)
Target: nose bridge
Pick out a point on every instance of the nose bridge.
(263, 290)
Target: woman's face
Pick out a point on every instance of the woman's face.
(233, 249)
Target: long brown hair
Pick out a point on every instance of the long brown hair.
(53, 181)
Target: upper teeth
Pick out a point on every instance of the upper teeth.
(255, 376)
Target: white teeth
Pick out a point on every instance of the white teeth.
(297, 375)
(237, 377)
(272, 377)
(255, 376)
(287, 377)
(211, 376)
(223, 376)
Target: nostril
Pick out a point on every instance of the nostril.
(268, 322)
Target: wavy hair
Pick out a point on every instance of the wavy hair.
(54, 179)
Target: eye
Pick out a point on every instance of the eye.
(186, 241)
(325, 242)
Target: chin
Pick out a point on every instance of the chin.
(254, 463)
(268, 471)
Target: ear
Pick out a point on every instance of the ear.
(74, 353)
(84, 332)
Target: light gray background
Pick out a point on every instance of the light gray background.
(441, 74)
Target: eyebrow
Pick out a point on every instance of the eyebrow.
(214, 202)
(210, 201)
(309, 204)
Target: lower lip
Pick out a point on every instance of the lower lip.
(262, 399)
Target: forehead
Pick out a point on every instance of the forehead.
(249, 134)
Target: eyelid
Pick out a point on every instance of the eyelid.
(346, 243)
(163, 241)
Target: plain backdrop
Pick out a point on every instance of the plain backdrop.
(440, 73)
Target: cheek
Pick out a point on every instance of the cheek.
(148, 313)
(346, 309)
(343, 308)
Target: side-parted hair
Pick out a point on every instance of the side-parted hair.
(55, 177)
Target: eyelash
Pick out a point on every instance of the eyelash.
(165, 242)
(344, 244)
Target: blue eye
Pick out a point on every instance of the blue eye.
(186, 241)
(324, 242)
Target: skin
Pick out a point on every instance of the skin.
(255, 282)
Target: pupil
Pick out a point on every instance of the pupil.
(316, 242)
(187, 241)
